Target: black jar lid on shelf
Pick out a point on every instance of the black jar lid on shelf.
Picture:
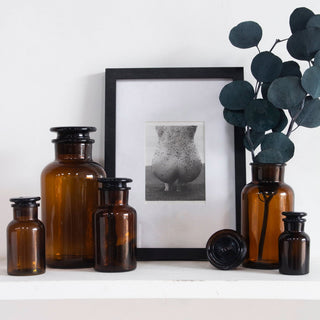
(226, 249)
(73, 134)
(114, 183)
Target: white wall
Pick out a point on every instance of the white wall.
(52, 60)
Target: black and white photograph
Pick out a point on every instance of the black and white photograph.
(175, 166)
(165, 130)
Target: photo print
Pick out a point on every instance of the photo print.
(175, 162)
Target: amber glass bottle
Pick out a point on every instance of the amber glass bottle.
(25, 239)
(263, 201)
(115, 228)
(69, 199)
(294, 245)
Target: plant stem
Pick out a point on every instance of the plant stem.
(294, 118)
(267, 199)
(276, 42)
(248, 137)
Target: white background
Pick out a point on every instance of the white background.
(52, 60)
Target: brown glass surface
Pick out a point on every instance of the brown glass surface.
(263, 201)
(69, 198)
(25, 243)
(294, 249)
(115, 233)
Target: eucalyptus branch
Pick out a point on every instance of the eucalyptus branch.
(294, 118)
(258, 48)
(248, 137)
(256, 91)
(276, 42)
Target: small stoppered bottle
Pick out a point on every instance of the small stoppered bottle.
(294, 245)
(25, 239)
(114, 225)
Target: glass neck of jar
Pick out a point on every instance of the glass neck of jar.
(294, 226)
(25, 213)
(267, 173)
(73, 151)
(113, 197)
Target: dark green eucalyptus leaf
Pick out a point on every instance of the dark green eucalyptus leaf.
(286, 92)
(269, 156)
(261, 115)
(290, 68)
(234, 117)
(252, 139)
(236, 95)
(266, 66)
(311, 81)
(279, 141)
(264, 89)
(282, 122)
(310, 115)
(304, 44)
(246, 35)
(314, 22)
(317, 59)
(299, 19)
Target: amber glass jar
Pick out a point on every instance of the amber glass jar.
(115, 227)
(294, 245)
(69, 198)
(263, 201)
(25, 239)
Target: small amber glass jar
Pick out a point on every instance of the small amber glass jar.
(25, 239)
(294, 245)
(69, 198)
(263, 200)
(115, 227)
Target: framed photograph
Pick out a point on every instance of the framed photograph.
(164, 128)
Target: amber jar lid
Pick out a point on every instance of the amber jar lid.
(114, 183)
(25, 202)
(226, 249)
(73, 134)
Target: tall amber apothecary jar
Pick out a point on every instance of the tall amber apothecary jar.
(263, 201)
(69, 198)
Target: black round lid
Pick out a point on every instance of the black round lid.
(73, 134)
(292, 216)
(115, 183)
(226, 249)
(25, 202)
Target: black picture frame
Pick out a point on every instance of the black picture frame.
(112, 75)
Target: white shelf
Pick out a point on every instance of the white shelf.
(162, 280)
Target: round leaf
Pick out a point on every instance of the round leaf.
(286, 92)
(234, 117)
(290, 68)
(304, 44)
(311, 81)
(310, 115)
(261, 115)
(246, 35)
(314, 22)
(299, 18)
(236, 95)
(266, 66)
(282, 122)
(279, 141)
(269, 156)
(252, 139)
(317, 59)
